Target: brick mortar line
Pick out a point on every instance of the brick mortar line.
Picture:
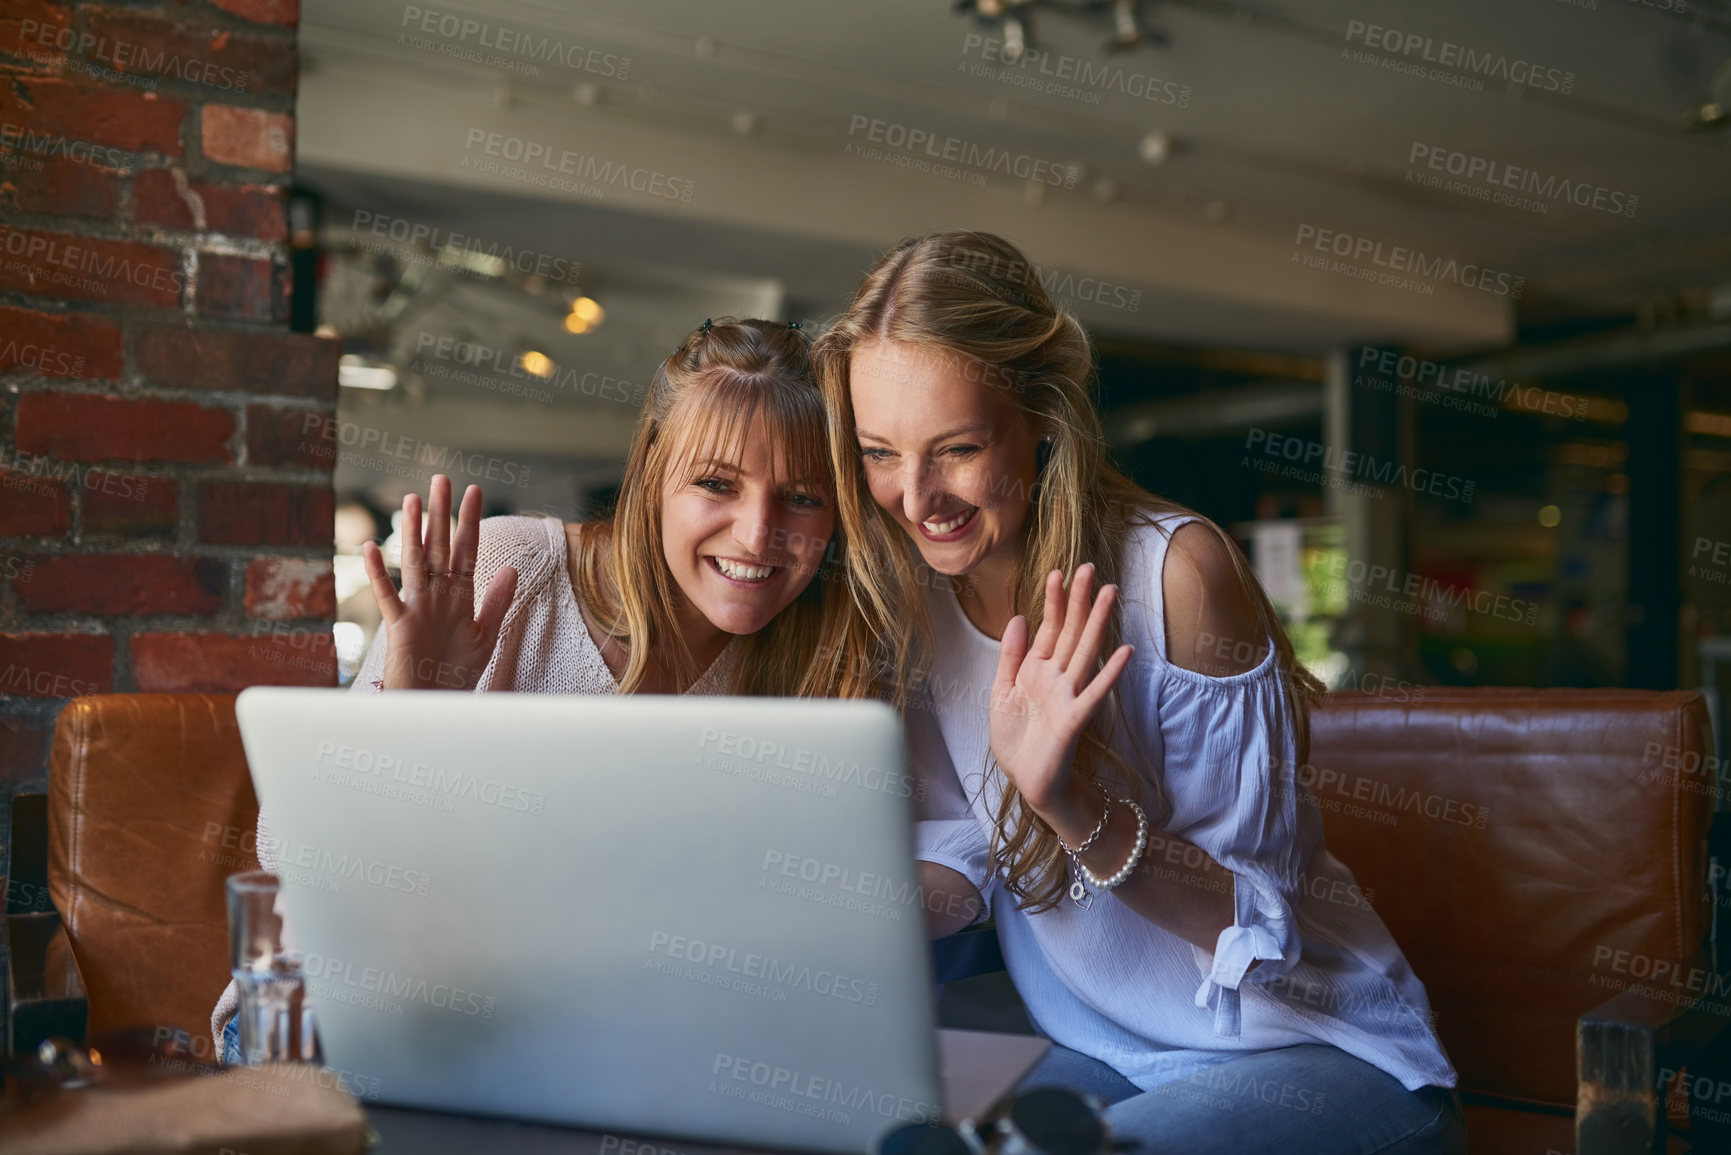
(189, 283)
(207, 16)
(192, 160)
(123, 660)
(140, 319)
(262, 474)
(188, 92)
(223, 18)
(139, 390)
(112, 313)
(234, 597)
(75, 624)
(18, 546)
(24, 68)
(79, 630)
(178, 471)
(209, 243)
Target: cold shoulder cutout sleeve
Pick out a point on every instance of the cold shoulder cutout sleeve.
(1230, 738)
(1231, 762)
(1211, 618)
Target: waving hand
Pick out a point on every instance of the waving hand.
(435, 639)
(1046, 692)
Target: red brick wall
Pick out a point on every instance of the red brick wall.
(161, 516)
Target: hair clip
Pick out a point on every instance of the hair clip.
(707, 323)
(793, 324)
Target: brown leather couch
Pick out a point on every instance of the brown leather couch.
(1547, 849)
(1535, 852)
(150, 808)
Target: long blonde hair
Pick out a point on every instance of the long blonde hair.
(976, 299)
(709, 392)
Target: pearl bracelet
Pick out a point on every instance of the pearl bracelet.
(1079, 892)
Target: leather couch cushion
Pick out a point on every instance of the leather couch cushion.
(1515, 841)
(150, 808)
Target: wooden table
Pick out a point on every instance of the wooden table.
(977, 1068)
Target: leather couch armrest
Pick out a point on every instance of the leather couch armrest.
(44, 993)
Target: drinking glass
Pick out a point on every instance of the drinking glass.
(276, 1024)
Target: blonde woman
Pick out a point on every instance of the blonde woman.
(1166, 906)
(704, 581)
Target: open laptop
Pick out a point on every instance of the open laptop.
(693, 916)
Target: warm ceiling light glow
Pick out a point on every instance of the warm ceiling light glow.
(539, 364)
(589, 309)
(1600, 455)
(1717, 424)
(576, 324)
(1550, 517)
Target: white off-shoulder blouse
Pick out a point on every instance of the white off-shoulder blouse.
(1109, 983)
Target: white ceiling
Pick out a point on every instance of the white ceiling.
(1279, 127)
(1283, 128)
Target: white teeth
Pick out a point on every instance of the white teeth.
(743, 573)
(942, 527)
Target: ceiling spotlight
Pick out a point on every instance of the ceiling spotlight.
(1155, 148)
(356, 372)
(1000, 16)
(1009, 18)
(1719, 301)
(587, 94)
(744, 122)
(1714, 111)
(1127, 30)
(473, 260)
(536, 363)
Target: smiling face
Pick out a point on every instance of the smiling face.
(741, 538)
(950, 458)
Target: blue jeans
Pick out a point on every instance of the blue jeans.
(1306, 1100)
(231, 1056)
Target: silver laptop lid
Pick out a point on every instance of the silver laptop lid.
(692, 916)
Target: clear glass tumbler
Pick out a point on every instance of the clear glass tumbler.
(276, 1024)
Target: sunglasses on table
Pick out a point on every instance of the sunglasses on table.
(1050, 1121)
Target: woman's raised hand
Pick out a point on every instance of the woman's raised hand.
(435, 639)
(1046, 692)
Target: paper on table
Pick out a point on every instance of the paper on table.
(977, 1068)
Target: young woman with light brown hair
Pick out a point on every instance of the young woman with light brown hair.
(701, 581)
(706, 579)
(1166, 906)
